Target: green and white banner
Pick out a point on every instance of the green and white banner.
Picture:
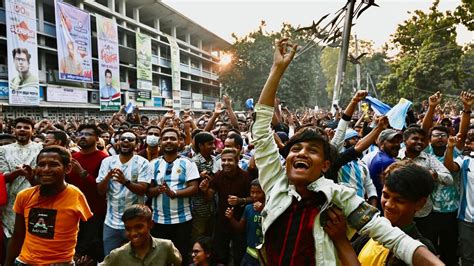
(175, 72)
(144, 74)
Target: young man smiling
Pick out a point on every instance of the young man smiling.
(298, 196)
(143, 249)
(48, 215)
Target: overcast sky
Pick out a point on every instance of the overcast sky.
(224, 17)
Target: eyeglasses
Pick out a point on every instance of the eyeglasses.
(440, 135)
(130, 139)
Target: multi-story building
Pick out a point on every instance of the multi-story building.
(199, 51)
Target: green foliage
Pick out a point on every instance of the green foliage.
(429, 58)
(302, 85)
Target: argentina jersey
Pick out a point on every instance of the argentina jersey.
(466, 205)
(118, 195)
(176, 174)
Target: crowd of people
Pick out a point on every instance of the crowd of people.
(266, 186)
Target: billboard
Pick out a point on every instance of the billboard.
(23, 83)
(109, 79)
(144, 75)
(73, 36)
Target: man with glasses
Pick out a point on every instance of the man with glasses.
(25, 78)
(85, 169)
(124, 179)
(175, 180)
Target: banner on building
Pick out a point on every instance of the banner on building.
(22, 52)
(175, 72)
(73, 36)
(66, 95)
(144, 74)
(165, 87)
(109, 79)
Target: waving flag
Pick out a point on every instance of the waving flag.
(379, 107)
(396, 115)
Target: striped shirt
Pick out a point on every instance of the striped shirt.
(200, 206)
(176, 174)
(356, 174)
(466, 206)
(119, 197)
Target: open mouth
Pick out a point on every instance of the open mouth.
(300, 165)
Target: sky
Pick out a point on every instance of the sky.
(224, 17)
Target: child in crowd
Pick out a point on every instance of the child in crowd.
(143, 249)
(202, 252)
(251, 222)
(406, 189)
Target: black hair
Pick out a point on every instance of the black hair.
(59, 135)
(411, 181)
(282, 127)
(21, 51)
(195, 132)
(89, 126)
(255, 182)
(151, 127)
(202, 138)
(206, 244)
(309, 134)
(25, 120)
(61, 151)
(413, 130)
(107, 71)
(439, 128)
(237, 139)
(136, 211)
(172, 129)
(144, 116)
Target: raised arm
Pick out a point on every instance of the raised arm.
(449, 156)
(467, 99)
(433, 101)
(230, 112)
(281, 59)
(366, 141)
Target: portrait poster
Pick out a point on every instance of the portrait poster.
(23, 82)
(109, 79)
(73, 37)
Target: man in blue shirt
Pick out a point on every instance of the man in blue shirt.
(389, 142)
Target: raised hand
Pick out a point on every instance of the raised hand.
(233, 200)
(359, 96)
(383, 122)
(284, 53)
(435, 99)
(204, 185)
(467, 99)
(258, 206)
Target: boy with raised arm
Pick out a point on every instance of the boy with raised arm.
(298, 196)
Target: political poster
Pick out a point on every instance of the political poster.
(109, 79)
(73, 36)
(144, 75)
(22, 52)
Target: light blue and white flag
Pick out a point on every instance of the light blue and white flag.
(396, 116)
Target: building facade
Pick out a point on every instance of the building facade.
(169, 30)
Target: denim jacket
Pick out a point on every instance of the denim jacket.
(279, 194)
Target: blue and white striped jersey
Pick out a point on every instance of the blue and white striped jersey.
(176, 174)
(119, 196)
(466, 206)
(356, 174)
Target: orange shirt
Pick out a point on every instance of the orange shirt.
(52, 224)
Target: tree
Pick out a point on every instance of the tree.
(428, 58)
(302, 85)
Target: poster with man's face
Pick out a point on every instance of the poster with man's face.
(22, 52)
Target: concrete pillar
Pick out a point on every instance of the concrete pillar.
(111, 5)
(136, 14)
(156, 24)
(40, 15)
(173, 31)
(122, 7)
(188, 38)
(200, 44)
(80, 5)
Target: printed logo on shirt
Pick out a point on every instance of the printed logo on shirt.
(41, 222)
